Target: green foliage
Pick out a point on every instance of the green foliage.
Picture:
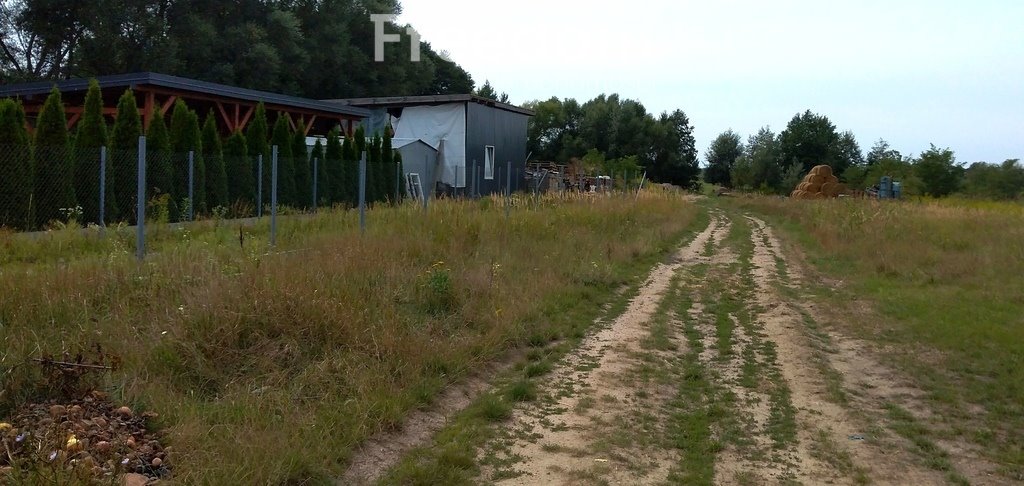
(402, 190)
(387, 167)
(238, 167)
(159, 171)
(350, 163)
(562, 130)
(303, 171)
(335, 163)
(374, 172)
(323, 182)
(765, 168)
(124, 144)
(186, 137)
(256, 135)
(282, 138)
(938, 171)
(92, 134)
(721, 156)
(213, 158)
(811, 140)
(16, 183)
(1005, 181)
(287, 47)
(54, 170)
(741, 176)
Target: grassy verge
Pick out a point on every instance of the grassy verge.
(270, 368)
(474, 427)
(945, 286)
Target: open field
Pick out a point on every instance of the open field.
(775, 348)
(269, 367)
(604, 341)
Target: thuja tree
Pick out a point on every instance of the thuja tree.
(388, 170)
(256, 136)
(350, 159)
(301, 165)
(335, 164)
(285, 169)
(92, 134)
(159, 171)
(16, 184)
(376, 175)
(401, 176)
(238, 166)
(54, 181)
(186, 137)
(213, 158)
(123, 156)
(323, 181)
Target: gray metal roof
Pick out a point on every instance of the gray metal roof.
(403, 101)
(184, 84)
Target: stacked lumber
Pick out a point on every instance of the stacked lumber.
(820, 183)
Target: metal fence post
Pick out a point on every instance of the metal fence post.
(398, 181)
(259, 186)
(103, 189)
(362, 193)
(316, 174)
(140, 225)
(475, 192)
(191, 185)
(273, 196)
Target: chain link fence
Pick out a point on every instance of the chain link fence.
(44, 188)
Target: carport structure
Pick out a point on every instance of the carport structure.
(233, 106)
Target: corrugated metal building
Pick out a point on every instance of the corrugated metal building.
(458, 144)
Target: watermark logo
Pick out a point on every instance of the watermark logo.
(380, 38)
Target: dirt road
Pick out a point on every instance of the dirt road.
(725, 368)
(721, 372)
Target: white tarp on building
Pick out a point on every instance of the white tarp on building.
(432, 125)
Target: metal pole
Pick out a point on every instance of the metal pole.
(476, 189)
(191, 185)
(398, 181)
(423, 189)
(140, 211)
(259, 186)
(316, 173)
(103, 188)
(362, 193)
(273, 196)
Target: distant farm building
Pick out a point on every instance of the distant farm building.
(233, 106)
(458, 144)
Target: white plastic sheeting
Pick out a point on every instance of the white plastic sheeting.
(444, 129)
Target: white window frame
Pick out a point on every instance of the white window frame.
(489, 162)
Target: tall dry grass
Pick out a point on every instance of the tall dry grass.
(948, 279)
(269, 367)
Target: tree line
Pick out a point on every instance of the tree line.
(312, 48)
(615, 134)
(54, 175)
(775, 163)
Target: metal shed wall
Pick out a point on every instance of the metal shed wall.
(506, 131)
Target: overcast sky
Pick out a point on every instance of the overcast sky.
(913, 72)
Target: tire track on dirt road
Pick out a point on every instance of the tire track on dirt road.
(592, 395)
(824, 451)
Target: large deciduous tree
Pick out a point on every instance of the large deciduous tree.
(809, 140)
(721, 156)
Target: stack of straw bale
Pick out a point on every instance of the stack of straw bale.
(820, 183)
